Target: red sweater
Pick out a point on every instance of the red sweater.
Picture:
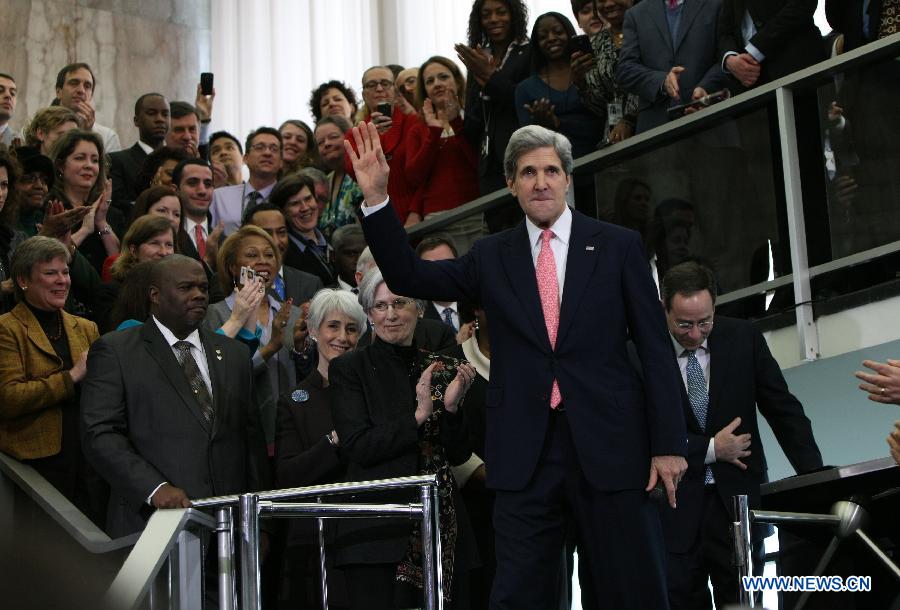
(393, 143)
(444, 171)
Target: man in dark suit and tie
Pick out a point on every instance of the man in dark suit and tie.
(167, 407)
(727, 373)
(151, 117)
(763, 40)
(571, 429)
(669, 55)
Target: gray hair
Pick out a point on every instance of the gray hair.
(365, 261)
(328, 300)
(315, 174)
(525, 139)
(33, 251)
(344, 233)
(367, 287)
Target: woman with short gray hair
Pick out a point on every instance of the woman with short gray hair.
(43, 359)
(396, 411)
(307, 449)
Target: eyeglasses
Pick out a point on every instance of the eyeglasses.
(260, 147)
(397, 304)
(372, 85)
(703, 325)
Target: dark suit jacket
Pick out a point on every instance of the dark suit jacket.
(648, 53)
(303, 456)
(744, 377)
(141, 425)
(125, 166)
(300, 285)
(187, 247)
(846, 17)
(373, 405)
(617, 422)
(785, 33)
(308, 261)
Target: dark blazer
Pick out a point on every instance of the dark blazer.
(648, 53)
(300, 285)
(303, 456)
(373, 404)
(785, 33)
(846, 17)
(617, 422)
(187, 247)
(125, 167)
(309, 262)
(141, 425)
(744, 377)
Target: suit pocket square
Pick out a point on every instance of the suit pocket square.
(589, 248)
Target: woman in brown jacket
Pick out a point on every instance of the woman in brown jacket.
(43, 356)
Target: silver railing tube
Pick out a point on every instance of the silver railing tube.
(433, 597)
(225, 565)
(323, 571)
(250, 575)
(743, 554)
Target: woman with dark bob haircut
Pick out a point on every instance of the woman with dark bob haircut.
(333, 98)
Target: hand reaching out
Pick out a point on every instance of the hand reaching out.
(369, 164)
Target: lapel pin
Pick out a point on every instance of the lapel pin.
(300, 396)
(218, 353)
(589, 248)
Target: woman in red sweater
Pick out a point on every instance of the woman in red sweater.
(440, 162)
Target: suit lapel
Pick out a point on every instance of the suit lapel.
(215, 360)
(162, 353)
(658, 12)
(34, 331)
(719, 365)
(689, 13)
(585, 249)
(519, 267)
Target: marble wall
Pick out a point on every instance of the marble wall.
(133, 47)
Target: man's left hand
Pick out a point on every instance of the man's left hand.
(699, 92)
(669, 469)
(893, 441)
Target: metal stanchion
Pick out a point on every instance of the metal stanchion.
(322, 569)
(250, 576)
(438, 558)
(225, 551)
(743, 554)
(433, 596)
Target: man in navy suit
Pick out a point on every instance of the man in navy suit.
(571, 428)
(728, 373)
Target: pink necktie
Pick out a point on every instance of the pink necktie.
(673, 4)
(548, 287)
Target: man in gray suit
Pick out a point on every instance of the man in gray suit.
(167, 408)
(669, 55)
(8, 93)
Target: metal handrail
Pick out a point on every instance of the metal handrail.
(60, 509)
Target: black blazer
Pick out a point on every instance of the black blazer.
(125, 167)
(785, 33)
(744, 377)
(373, 405)
(846, 17)
(141, 425)
(309, 262)
(303, 456)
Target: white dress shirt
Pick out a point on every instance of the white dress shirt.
(702, 354)
(562, 230)
(189, 229)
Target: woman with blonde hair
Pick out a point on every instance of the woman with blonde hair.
(252, 248)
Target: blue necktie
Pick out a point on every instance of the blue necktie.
(278, 285)
(448, 318)
(697, 394)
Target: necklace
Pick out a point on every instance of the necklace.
(59, 328)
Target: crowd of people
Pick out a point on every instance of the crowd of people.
(251, 339)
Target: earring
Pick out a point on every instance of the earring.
(24, 287)
(475, 325)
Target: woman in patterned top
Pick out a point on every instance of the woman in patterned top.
(595, 75)
(345, 194)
